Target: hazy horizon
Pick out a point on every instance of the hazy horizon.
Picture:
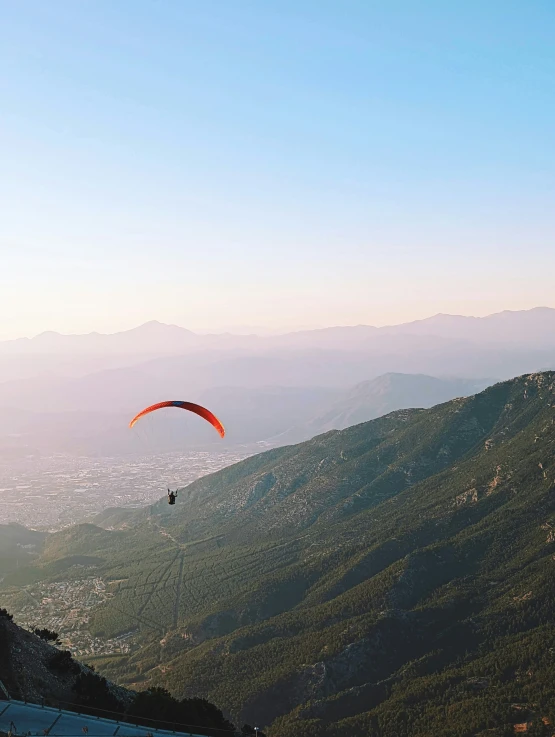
(264, 330)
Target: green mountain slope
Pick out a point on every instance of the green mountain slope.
(394, 578)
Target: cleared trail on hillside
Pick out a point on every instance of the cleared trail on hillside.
(178, 592)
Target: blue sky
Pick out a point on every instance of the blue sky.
(274, 163)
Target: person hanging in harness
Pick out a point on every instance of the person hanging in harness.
(172, 495)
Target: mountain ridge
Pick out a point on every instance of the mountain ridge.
(393, 578)
(540, 318)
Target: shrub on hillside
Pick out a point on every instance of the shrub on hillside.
(93, 691)
(159, 704)
(46, 635)
(63, 662)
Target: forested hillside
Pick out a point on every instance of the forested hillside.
(393, 578)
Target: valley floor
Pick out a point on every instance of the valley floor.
(53, 492)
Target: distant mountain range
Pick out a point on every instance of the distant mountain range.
(152, 337)
(535, 327)
(297, 383)
(188, 376)
(394, 578)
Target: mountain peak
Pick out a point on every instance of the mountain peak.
(153, 326)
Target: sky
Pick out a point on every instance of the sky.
(285, 163)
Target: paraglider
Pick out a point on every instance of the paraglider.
(196, 408)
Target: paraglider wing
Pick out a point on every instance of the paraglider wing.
(196, 408)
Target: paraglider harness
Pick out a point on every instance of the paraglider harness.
(172, 496)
